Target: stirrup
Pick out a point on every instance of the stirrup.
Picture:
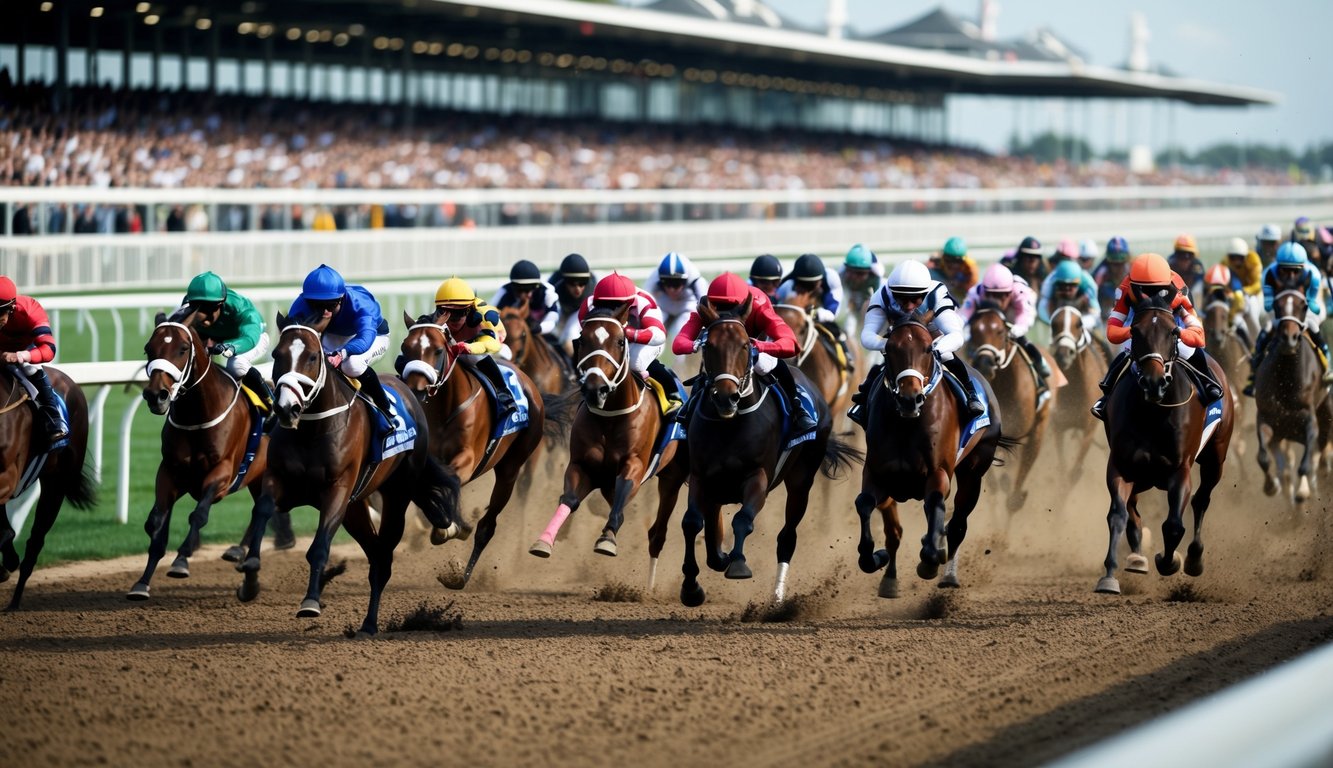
(1099, 409)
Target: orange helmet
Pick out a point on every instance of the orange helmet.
(728, 289)
(1186, 243)
(615, 287)
(1219, 274)
(1149, 269)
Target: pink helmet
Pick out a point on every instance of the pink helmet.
(1067, 248)
(998, 279)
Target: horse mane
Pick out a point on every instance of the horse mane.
(988, 305)
(1156, 301)
(596, 312)
(426, 319)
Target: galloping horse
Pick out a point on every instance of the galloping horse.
(915, 447)
(997, 358)
(23, 452)
(1083, 365)
(736, 454)
(205, 442)
(461, 423)
(1291, 400)
(816, 358)
(323, 456)
(612, 442)
(533, 354)
(1157, 428)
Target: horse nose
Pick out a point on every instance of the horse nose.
(734, 398)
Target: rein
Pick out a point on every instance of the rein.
(1080, 342)
(307, 389)
(928, 383)
(807, 342)
(436, 374)
(180, 386)
(1295, 296)
(745, 382)
(618, 374)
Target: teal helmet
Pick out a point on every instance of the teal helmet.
(323, 284)
(206, 287)
(859, 257)
(1291, 254)
(955, 248)
(1067, 271)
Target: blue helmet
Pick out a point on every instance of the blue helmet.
(1068, 271)
(323, 284)
(1291, 254)
(672, 265)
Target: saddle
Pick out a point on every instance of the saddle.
(256, 402)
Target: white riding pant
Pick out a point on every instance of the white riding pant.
(355, 365)
(642, 355)
(569, 327)
(825, 316)
(239, 365)
(765, 362)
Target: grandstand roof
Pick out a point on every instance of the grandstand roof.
(385, 33)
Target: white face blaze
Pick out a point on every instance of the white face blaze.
(424, 342)
(168, 340)
(286, 397)
(601, 335)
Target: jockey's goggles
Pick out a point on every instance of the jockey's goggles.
(581, 282)
(321, 305)
(671, 282)
(206, 307)
(453, 313)
(6, 307)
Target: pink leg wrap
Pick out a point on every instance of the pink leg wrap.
(557, 520)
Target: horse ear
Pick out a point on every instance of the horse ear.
(160, 318)
(407, 320)
(622, 313)
(282, 320)
(707, 312)
(743, 311)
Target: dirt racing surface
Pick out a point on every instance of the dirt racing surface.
(570, 661)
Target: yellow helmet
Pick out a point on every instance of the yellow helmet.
(455, 292)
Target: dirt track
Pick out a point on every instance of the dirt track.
(1023, 664)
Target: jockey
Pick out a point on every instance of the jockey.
(1184, 261)
(1110, 273)
(1026, 261)
(1219, 278)
(1291, 271)
(955, 268)
(1070, 284)
(1265, 243)
(1067, 250)
(911, 291)
(1247, 280)
(1087, 254)
(862, 273)
(525, 281)
(644, 330)
(772, 340)
(676, 287)
(570, 282)
(357, 334)
(809, 275)
(1015, 299)
(26, 344)
(476, 331)
(765, 274)
(233, 325)
(1150, 275)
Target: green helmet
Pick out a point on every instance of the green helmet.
(206, 287)
(955, 248)
(859, 257)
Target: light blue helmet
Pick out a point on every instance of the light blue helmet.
(323, 284)
(672, 265)
(1291, 254)
(1068, 271)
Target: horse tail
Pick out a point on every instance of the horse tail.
(437, 491)
(560, 408)
(1008, 445)
(81, 490)
(838, 456)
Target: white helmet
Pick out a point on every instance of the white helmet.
(1238, 247)
(1088, 249)
(910, 277)
(1269, 232)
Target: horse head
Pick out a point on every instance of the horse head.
(1154, 346)
(515, 321)
(604, 364)
(1066, 334)
(177, 361)
(299, 368)
(727, 355)
(988, 337)
(909, 364)
(424, 355)
(1289, 309)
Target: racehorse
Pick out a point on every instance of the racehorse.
(323, 456)
(462, 423)
(997, 358)
(612, 442)
(23, 451)
(1157, 429)
(1291, 400)
(532, 353)
(817, 358)
(913, 451)
(205, 442)
(737, 455)
(1083, 365)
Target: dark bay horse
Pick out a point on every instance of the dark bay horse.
(612, 440)
(1291, 400)
(461, 422)
(1155, 429)
(204, 441)
(62, 473)
(816, 360)
(997, 358)
(320, 457)
(1230, 351)
(913, 451)
(735, 443)
(1081, 361)
(533, 354)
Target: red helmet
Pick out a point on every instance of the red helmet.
(615, 287)
(728, 289)
(8, 291)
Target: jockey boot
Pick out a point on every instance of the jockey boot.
(1038, 359)
(1211, 389)
(958, 368)
(801, 422)
(504, 399)
(670, 385)
(372, 387)
(1318, 337)
(1112, 374)
(56, 428)
(860, 408)
(255, 381)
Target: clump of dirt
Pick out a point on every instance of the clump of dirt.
(1135, 584)
(452, 575)
(617, 592)
(941, 605)
(1185, 593)
(798, 607)
(332, 572)
(428, 618)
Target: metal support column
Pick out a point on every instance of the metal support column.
(62, 58)
(214, 46)
(127, 52)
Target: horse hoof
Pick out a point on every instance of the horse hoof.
(541, 549)
(249, 565)
(949, 581)
(888, 587)
(927, 569)
(1194, 566)
(1165, 568)
(1303, 490)
(249, 588)
(310, 609)
(1108, 586)
(1136, 564)
(605, 546)
(180, 568)
(1271, 486)
(285, 542)
(692, 597)
(364, 634)
(138, 593)
(234, 554)
(737, 569)
(439, 536)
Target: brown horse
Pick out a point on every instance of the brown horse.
(461, 423)
(816, 360)
(913, 451)
(322, 457)
(1292, 402)
(23, 452)
(1081, 361)
(532, 353)
(611, 443)
(1155, 428)
(204, 442)
(996, 357)
(737, 455)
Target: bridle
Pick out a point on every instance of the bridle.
(437, 374)
(928, 381)
(1175, 350)
(305, 388)
(1002, 356)
(180, 385)
(808, 337)
(619, 373)
(744, 382)
(1066, 337)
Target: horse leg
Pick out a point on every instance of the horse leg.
(868, 558)
(1302, 492)
(9, 557)
(1135, 536)
(48, 506)
(625, 486)
(1266, 443)
(1173, 527)
(180, 567)
(964, 501)
(259, 517)
(669, 481)
(753, 496)
(934, 548)
(1210, 472)
(798, 500)
(577, 487)
(691, 592)
(1116, 519)
(379, 556)
(893, 537)
(157, 526)
(505, 474)
(331, 514)
(236, 552)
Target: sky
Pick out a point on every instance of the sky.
(1274, 46)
